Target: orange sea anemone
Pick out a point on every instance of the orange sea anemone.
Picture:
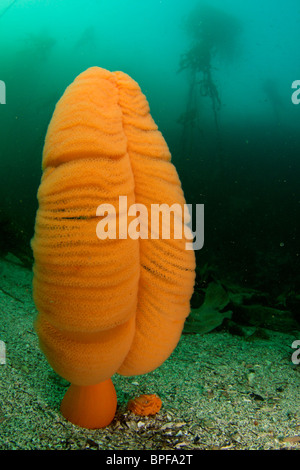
(145, 405)
(111, 305)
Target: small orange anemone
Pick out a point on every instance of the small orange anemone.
(145, 405)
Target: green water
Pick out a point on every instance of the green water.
(218, 80)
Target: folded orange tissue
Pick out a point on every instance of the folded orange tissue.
(111, 305)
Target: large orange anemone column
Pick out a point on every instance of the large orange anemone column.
(114, 305)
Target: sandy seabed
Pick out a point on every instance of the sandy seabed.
(218, 391)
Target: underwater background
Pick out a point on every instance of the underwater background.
(218, 78)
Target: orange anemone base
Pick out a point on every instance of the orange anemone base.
(91, 406)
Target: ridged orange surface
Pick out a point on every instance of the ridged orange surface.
(145, 405)
(106, 306)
